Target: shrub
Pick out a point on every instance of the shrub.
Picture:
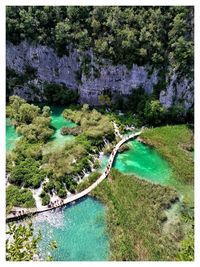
(19, 197)
(27, 173)
(96, 164)
(88, 181)
(62, 193)
(70, 130)
(72, 188)
(45, 198)
(49, 186)
(31, 122)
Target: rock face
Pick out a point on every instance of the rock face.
(111, 79)
(181, 92)
(116, 80)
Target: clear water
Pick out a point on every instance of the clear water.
(78, 229)
(11, 135)
(146, 163)
(143, 162)
(58, 121)
(56, 141)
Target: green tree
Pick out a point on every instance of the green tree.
(137, 100)
(45, 198)
(18, 197)
(60, 94)
(63, 36)
(22, 112)
(62, 193)
(124, 35)
(22, 243)
(27, 113)
(153, 112)
(46, 111)
(104, 100)
(27, 173)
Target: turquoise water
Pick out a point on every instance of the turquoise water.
(146, 163)
(58, 121)
(143, 162)
(56, 141)
(11, 135)
(78, 229)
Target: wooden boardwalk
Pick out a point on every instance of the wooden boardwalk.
(22, 212)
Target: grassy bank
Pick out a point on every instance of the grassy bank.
(175, 143)
(135, 218)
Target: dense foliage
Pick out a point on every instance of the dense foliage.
(142, 109)
(22, 243)
(30, 121)
(45, 198)
(65, 164)
(159, 36)
(187, 248)
(186, 252)
(70, 130)
(59, 94)
(18, 197)
(135, 218)
(27, 173)
(93, 124)
(24, 162)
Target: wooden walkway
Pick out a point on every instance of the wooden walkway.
(22, 212)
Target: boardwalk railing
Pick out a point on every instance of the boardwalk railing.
(24, 212)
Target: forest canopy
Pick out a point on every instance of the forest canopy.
(159, 36)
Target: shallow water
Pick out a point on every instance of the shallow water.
(78, 229)
(56, 141)
(11, 135)
(146, 163)
(58, 121)
(143, 162)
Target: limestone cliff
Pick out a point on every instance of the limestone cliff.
(113, 79)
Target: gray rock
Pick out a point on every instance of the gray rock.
(114, 79)
(179, 91)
